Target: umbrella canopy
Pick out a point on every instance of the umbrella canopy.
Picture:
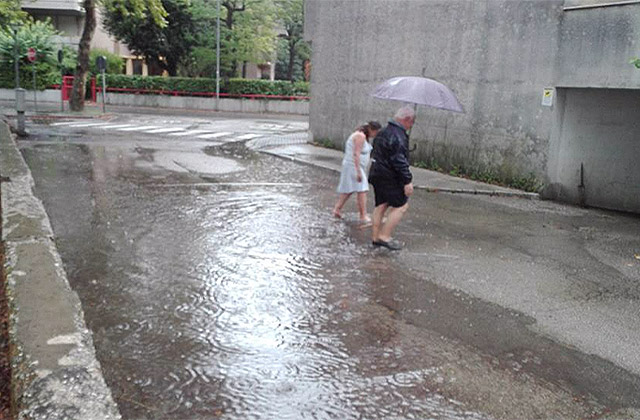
(418, 90)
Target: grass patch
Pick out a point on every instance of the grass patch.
(326, 143)
(495, 176)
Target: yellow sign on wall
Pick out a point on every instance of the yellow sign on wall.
(547, 97)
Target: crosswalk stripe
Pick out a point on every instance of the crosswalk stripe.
(213, 135)
(248, 136)
(104, 127)
(189, 132)
(65, 123)
(88, 125)
(139, 128)
(165, 130)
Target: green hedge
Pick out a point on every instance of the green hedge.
(267, 87)
(186, 84)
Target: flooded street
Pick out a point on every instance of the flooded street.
(217, 285)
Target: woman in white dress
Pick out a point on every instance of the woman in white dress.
(353, 176)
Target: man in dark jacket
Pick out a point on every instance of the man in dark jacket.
(391, 177)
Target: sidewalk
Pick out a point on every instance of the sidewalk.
(55, 373)
(431, 181)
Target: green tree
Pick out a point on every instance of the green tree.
(253, 38)
(166, 46)
(246, 34)
(290, 15)
(138, 8)
(31, 34)
(11, 13)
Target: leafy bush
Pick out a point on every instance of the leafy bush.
(267, 87)
(33, 34)
(69, 61)
(115, 63)
(201, 84)
(161, 83)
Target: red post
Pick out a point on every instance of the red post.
(67, 85)
(93, 90)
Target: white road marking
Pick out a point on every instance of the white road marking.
(139, 128)
(165, 130)
(213, 135)
(88, 125)
(189, 132)
(104, 127)
(65, 123)
(248, 136)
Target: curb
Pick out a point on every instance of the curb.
(517, 194)
(492, 193)
(52, 116)
(54, 370)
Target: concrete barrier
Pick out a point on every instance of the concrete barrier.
(49, 95)
(55, 373)
(226, 104)
(181, 102)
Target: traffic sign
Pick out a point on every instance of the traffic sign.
(31, 54)
(101, 62)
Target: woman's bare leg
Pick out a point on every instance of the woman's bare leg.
(340, 203)
(362, 206)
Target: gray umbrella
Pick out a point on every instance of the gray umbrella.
(420, 91)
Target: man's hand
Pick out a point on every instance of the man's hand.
(408, 189)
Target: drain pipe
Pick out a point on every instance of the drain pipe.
(581, 187)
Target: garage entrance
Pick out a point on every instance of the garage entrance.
(594, 155)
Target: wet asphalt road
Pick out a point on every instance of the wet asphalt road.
(217, 285)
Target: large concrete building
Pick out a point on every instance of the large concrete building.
(500, 57)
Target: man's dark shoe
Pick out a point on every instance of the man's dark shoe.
(392, 245)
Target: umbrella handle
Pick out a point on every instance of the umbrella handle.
(413, 149)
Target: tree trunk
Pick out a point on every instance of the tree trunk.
(292, 59)
(229, 19)
(172, 68)
(78, 91)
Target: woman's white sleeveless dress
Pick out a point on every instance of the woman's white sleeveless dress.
(348, 180)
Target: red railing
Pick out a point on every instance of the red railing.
(68, 82)
(67, 86)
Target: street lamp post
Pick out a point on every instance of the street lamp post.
(20, 93)
(16, 58)
(218, 56)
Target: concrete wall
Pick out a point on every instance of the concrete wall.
(48, 95)
(497, 55)
(483, 50)
(600, 130)
(226, 104)
(184, 102)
